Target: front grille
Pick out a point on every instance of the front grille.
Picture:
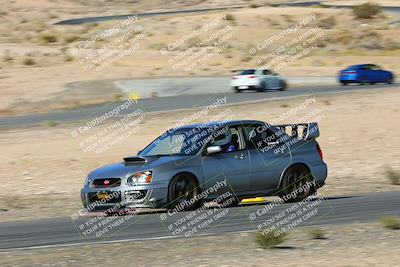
(107, 182)
(104, 197)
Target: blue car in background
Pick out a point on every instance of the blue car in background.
(365, 73)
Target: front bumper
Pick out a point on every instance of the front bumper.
(138, 196)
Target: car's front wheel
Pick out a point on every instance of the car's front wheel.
(183, 193)
(364, 81)
(237, 90)
(297, 184)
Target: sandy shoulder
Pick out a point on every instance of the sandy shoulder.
(358, 2)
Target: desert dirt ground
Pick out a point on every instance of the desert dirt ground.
(358, 2)
(350, 245)
(39, 59)
(44, 167)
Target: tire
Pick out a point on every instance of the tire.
(183, 188)
(237, 90)
(363, 81)
(261, 88)
(283, 85)
(344, 83)
(294, 178)
(390, 81)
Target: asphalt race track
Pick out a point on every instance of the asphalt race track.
(181, 102)
(392, 9)
(64, 232)
(164, 13)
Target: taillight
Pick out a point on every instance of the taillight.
(251, 77)
(320, 152)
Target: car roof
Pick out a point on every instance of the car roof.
(216, 123)
(359, 65)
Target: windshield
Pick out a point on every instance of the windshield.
(180, 142)
(355, 67)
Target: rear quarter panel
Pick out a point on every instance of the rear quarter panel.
(305, 152)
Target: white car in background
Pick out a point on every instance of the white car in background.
(258, 80)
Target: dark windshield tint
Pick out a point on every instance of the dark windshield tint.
(248, 72)
(355, 67)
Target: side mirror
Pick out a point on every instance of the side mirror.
(214, 149)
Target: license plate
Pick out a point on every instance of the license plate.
(102, 195)
(243, 87)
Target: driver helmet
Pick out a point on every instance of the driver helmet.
(223, 139)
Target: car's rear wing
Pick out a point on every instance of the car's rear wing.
(305, 131)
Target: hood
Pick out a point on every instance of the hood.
(130, 165)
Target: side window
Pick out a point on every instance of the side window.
(266, 72)
(229, 138)
(375, 67)
(259, 136)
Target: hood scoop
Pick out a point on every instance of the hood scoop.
(135, 159)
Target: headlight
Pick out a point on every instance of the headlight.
(87, 181)
(142, 177)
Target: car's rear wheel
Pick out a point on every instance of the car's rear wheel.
(297, 184)
(344, 83)
(283, 85)
(262, 88)
(390, 81)
(183, 193)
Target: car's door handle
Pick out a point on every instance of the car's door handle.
(240, 156)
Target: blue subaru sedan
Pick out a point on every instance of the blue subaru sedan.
(365, 73)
